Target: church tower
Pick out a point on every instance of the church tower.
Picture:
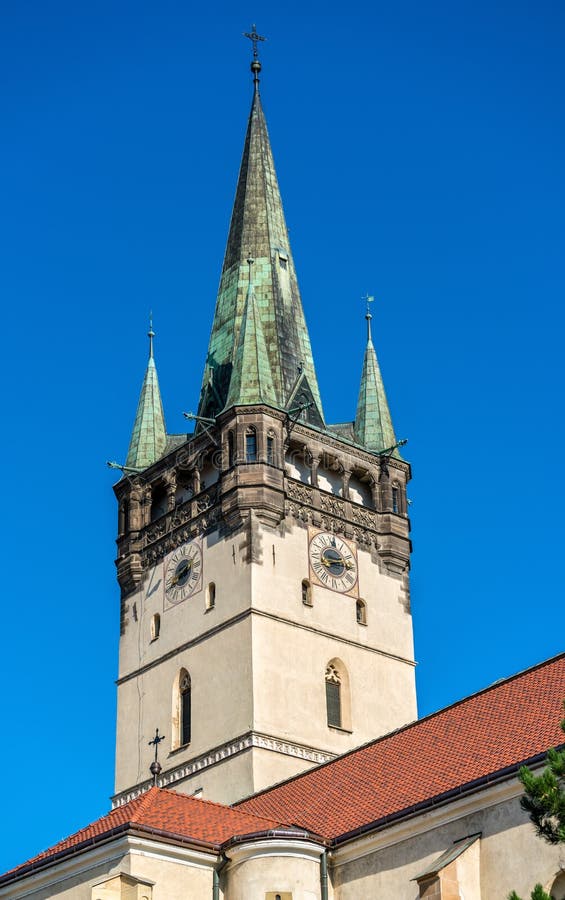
(263, 559)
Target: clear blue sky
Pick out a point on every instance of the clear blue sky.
(420, 153)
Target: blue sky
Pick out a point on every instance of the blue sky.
(420, 154)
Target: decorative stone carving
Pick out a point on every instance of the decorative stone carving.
(332, 504)
(301, 492)
(205, 501)
(363, 517)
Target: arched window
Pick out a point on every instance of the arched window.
(333, 696)
(338, 695)
(211, 596)
(155, 626)
(361, 612)
(181, 721)
(185, 710)
(231, 448)
(270, 449)
(395, 498)
(307, 593)
(250, 445)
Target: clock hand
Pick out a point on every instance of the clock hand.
(340, 562)
(176, 578)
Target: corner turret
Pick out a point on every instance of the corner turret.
(149, 437)
(373, 423)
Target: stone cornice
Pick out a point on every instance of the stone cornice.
(252, 739)
(235, 620)
(299, 848)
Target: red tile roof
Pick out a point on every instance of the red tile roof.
(508, 723)
(178, 815)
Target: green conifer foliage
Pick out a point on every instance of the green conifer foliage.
(544, 801)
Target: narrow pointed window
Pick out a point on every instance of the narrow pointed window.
(211, 596)
(361, 612)
(333, 696)
(123, 515)
(251, 445)
(155, 626)
(185, 709)
(270, 449)
(307, 593)
(395, 498)
(231, 449)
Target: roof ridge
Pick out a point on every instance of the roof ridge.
(496, 684)
(146, 801)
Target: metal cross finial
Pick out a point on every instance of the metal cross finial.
(151, 333)
(155, 767)
(368, 300)
(254, 38)
(255, 64)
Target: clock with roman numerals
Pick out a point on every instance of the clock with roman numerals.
(333, 562)
(183, 572)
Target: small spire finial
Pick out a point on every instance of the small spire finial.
(368, 300)
(150, 334)
(155, 767)
(255, 63)
(250, 262)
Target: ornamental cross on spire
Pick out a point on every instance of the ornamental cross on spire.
(368, 300)
(254, 38)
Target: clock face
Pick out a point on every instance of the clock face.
(183, 573)
(333, 562)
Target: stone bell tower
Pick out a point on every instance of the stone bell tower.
(263, 559)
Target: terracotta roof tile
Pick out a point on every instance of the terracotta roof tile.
(166, 811)
(508, 723)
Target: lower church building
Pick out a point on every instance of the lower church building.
(266, 660)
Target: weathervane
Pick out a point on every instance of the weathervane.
(255, 65)
(155, 767)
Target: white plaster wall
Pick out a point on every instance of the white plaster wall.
(219, 665)
(331, 481)
(172, 880)
(360, 492)
(265, 674)
(254, 877)
(511, 857)
(295, 467)
(289, 662)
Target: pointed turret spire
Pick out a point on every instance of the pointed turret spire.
(251, 377)
(148, 438)
(373, 424)
(258, 231)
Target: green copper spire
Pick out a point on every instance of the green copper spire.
(373, 424)
(258, 231)
(251, 377)
(148, 438)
